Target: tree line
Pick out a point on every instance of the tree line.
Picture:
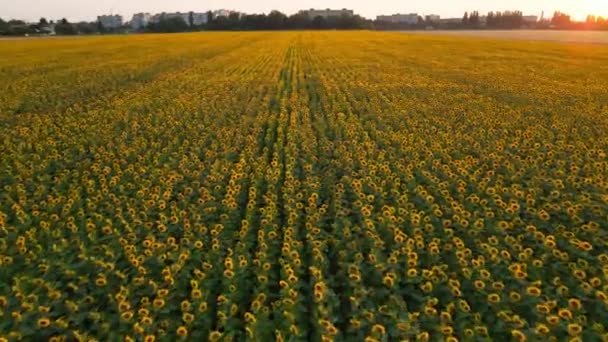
(277, 20)
(43, 26)
(515, 20)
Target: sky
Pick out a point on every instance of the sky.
(77, 10)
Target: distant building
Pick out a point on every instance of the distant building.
(432, 18)
(110, 21)
(166, 16)
(48, 29)
(409, 19)
(197, 18)
(222, 13)
(328, 13)
(451, 21)
(140, 20)
(529, 21)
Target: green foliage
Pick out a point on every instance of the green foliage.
(63, 27)
(169, 25)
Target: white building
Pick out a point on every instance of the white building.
(140, 20)
(110, 21)
(530, 19)
(410, 19)
(166, 16)
(328, 13)
(432, 18)
(197, 18)
(222, 13)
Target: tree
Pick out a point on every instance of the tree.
(276, 20)
(421, 23)
(4, 27)
(561, 20)
(169, 25)
(16, 22)
(65, 28)
(490, 20)
(43, 22)
(84, 27)
(234, 20)
(465, 19)
(503, 20)
(474, 19)
(298, 21)
(100, 27)
(318, 22)
(191, 19)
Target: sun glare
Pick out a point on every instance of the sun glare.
(598, 8)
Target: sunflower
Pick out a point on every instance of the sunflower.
(149, 338)
(565, 314)
(158, 303)
(378, 329)
(553, 319)
(463, 305)
(541, 329)
(533, 291)
(479, 284)
(44, 323)
(574, 303)
(481, 330)
(188, 318)
(127, 316)
(574, 329)
(423, 336)
(514, 296)
(493, 298)
(518, 335)
(182, 331)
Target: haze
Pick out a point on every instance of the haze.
(88, 10)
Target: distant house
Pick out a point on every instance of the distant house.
(110, 21)
(408, 19)
(432, 18)
(222, 13)
(328, 13)
(140, 20)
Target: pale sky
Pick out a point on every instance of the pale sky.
(76, 10)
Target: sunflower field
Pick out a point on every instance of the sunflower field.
(303, 186)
